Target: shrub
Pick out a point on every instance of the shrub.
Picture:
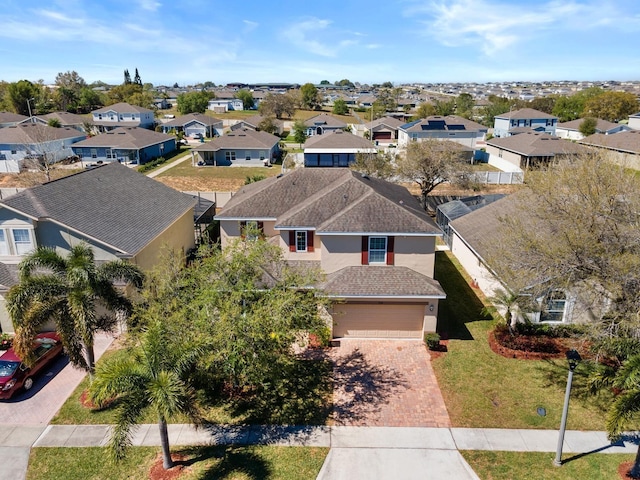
(152, 164)
(525, 342)
(432, 340)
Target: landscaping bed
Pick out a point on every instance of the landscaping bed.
(532, 344)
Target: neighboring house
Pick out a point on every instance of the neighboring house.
(624, 146)
(370, 237)
(383, 130)
(323, 123)
(35, 141)
(471, 238)
(125, 145)
(336, 149)
(10, 119)
(65, 119)
(195, 124)
(122, 115)
(517, 153)
(571, 130)
(225, 101)
(634, 121)
(119, 212)
(254, 122)
(450, 127)
(244, 147)
(527, 117)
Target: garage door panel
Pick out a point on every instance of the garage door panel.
(378, 321)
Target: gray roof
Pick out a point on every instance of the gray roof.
(255, 120)
(194, 117)
(66, 118)
(338, 139)
(390, 122)
(133, 138)
(443, 123)
(325, 120)
(536, 145)
(525, 114)
(8, 276)
(244, 138)
(113, 204)
(10, 117)
(601, 125)
(380, 281)
(35, 133)
(122, 107)
(622, 141)
(331, 200)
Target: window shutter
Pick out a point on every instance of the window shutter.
(365, 250)
(243, 229)
(310, 241)
(390, 250)
(292, 241)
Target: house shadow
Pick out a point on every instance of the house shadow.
(361, 388)
(462, 305)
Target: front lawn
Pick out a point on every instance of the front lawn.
(537, 465)
(485, 390)
(251, 462)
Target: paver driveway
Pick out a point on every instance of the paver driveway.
(386, 383)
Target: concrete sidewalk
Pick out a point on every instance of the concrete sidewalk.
(322, 436)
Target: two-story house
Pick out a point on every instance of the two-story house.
(119, 212)
(195, 124)
(449, 127)
(537, 121)
(122, 115)
(370, 237)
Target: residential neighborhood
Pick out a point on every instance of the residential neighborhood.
(246, 242)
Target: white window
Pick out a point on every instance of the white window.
(94, 153)
(22, 240)
(247, 155)
(553, 307)
(4, 246)
(230, 156)
(377, 249)
(109, 153)
(301, 240)
(262, 154)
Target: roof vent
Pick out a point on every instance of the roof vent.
(365, 176)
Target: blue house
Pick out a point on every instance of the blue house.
(122, 115)
(242, 147)
(509, 123)
(125, 145)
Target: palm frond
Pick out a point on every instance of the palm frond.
(623, 411)
(42, 258)
(121, 270)
(127, 417)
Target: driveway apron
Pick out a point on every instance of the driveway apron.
(386, 383)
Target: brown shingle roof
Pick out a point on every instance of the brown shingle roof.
(245, 138)
(326, 120)
(10, 117)
(380, 281)
(66, 118)
(338, 139)
(601, 125)
(34, 133)
(335, 200)
(190, 117)
(525, 114)
(125, 137)
(536, 145)
(388, 121)
(623, 141)
(122, 107)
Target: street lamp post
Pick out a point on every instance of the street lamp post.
(573, 357)
(29, 107)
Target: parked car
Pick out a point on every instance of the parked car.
(15, 375)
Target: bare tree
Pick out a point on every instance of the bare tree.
(432, 162)
(379, 165)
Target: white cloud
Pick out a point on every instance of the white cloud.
(58, 17)
(300, 33)
(249, 25)
(494, 26)
(150, 5)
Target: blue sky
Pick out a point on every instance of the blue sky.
(190, 41)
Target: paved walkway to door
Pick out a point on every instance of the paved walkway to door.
(386, 383)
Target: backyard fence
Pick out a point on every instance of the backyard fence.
(499, 178)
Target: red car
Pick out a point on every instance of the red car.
(15, 375)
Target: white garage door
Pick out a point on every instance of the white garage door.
(378, 321)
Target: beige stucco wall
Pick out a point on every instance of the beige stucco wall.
(179, 236)
(485, 280)
(416, 253)
(430, 316)
(300, 256)
(512, 158)
(340, 251)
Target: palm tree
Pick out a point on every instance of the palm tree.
(153, 376)
(506, 300)
(625, 409)
(71, 291)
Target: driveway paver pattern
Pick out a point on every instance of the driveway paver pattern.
(386, 383)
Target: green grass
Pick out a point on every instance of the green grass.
(264, 462)
(483, 389)
(538, 466)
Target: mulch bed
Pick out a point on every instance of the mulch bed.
(158, 472)
(560, 345)
(623, 471)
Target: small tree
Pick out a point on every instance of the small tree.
(299, 131)
(340, 107)
(268, 125)
(431, 162)
(246, 96)
(310, 98)
(193, 102)
(379, 165)
(588, 126)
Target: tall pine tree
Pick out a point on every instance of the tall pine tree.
(127, 77)
(136, 79)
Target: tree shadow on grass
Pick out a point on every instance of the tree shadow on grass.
(462, 304)
(232, 462)
(362, 387)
